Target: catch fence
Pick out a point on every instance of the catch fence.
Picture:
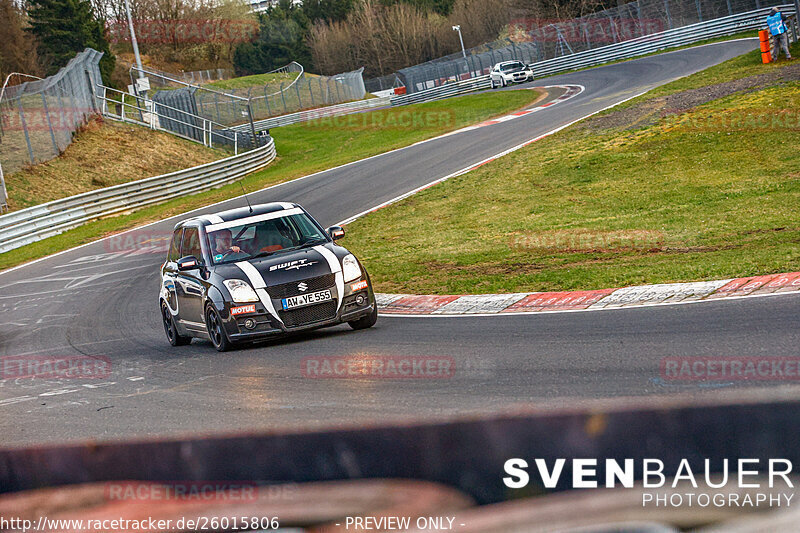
(534, 40)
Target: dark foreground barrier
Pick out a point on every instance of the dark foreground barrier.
(467, 454)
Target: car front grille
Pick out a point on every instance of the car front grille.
(288, 290)
(309, 315)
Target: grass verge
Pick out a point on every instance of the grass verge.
(304, 149)
(708, 194)
(104, 153)
(744, 66)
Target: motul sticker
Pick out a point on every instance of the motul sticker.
(243, 310)
(358, 286)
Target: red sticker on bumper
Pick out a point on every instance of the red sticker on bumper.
(358, 286)
(243, 310)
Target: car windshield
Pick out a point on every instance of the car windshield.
(263, 237)
(510, 66)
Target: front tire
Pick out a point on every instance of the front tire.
(171, 329)
(367, 321)
(216, 331)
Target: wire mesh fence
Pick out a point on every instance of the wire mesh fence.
(382, 83)
(287, 90)
(533, 40)
(38, 118)
(198, 77)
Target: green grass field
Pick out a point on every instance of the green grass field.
(306, 148)
(256, 80)
(711, 193)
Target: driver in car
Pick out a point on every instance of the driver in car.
(222, 243)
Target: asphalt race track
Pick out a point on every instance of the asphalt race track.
(100, 301)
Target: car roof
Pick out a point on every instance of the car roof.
(239, 212)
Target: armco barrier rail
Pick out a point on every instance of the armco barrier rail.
(35, 223)
(444, 91)
(660, 41)
(311, 114)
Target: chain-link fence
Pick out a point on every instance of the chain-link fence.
(477, 63)
(38, 118)
(382, 83)
(287, 91)
(534, 40)
(198, 77)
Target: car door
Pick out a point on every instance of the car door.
(189, 283)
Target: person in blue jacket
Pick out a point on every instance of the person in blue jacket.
(777, 27)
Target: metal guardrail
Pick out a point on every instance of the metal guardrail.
(444, 91)
(658, 41)
(311, 114)
(35, 223)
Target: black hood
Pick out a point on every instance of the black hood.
(282, 267)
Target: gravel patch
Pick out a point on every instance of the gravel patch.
(650, 111)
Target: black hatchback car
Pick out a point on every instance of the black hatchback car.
(250, 273)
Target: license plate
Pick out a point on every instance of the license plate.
(306, 299)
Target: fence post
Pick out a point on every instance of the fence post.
(25, 131)
(252, 124)
(338, 95)
(297, 90)
(3, 193)
(700, 11)
(669, 16)
(283, 99)
(310, 93)
(49, 124)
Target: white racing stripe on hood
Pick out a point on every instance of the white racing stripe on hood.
(258, 283)
(253, 219)
(336, 268)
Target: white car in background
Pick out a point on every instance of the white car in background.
(507, 72)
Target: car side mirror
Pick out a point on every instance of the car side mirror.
(335, 232)
(189, 262)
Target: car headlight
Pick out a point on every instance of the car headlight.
(241, 291)
(350, 268)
